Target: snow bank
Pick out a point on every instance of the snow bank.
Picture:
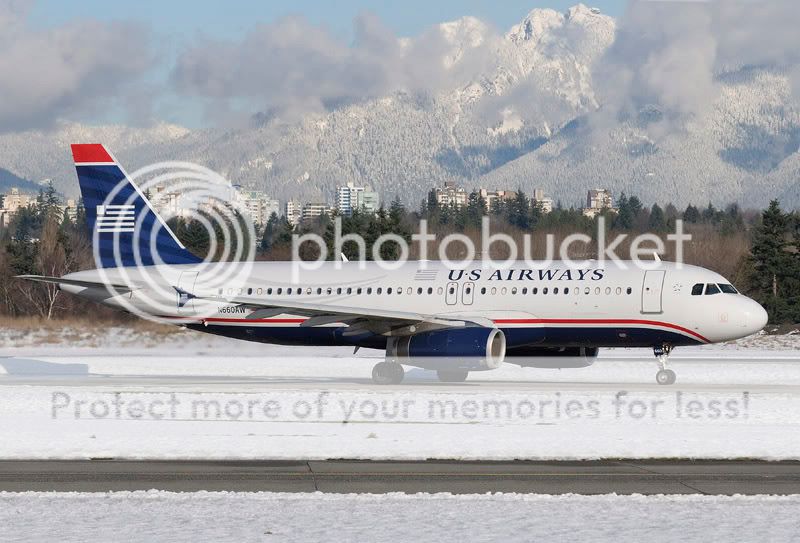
(223, 516)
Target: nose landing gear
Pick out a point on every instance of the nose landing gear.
(664, 376)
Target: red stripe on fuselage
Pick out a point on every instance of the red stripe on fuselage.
(643, 322)
(604, 321)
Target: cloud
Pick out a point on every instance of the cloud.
(76, 68)
(294, 65)
(668, 54)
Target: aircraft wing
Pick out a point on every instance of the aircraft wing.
(383, 321)
(76, 283)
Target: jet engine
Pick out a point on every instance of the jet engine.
(471, 349)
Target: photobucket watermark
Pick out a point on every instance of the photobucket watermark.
(642, 252)
(335, 407)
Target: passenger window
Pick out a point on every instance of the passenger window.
(544, 290)
(711, 288)
(378, 290)
(369, 290)
(483, 290)
(419, 290)
(439, 290)
(269, 291)
(555, 290)
(451, 290)
(587, 290)
(389, 290)
(494, 290)
(619, 291)
(608, 290)
(524, 290)
(330, 290)
(430, 290)
(727, 289)
(535, 290)
(280, 290)
(697, 289)
(597, 290)
(339, 290)
(358, 290)
(629, 290)
(566, 290)
(319, 290)
(308, 290)
(349, 290)
(468, 290)
(514, 290)
(288, 291)
(409, 290)
(503, 290)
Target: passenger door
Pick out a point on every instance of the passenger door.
(652, 287)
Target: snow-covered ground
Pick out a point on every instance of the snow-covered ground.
(196, 396)
(221, 516)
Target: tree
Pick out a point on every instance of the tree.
(691, 215)
(771, 263)
(657, 221)
(625, 216)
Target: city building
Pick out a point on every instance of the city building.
(13, 202)
(71, 210)
(544, 203)
(313, 210)
(258, 205)
(368, 201)
(293, 212)
(350, 197)
(492, 196)
(598, 200)
(451, 195)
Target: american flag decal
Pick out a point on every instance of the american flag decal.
(425, 275)
(116, 218)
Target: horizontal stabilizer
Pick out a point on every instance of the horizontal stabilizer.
(77, 283)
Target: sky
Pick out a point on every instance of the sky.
(185, 18)
(203, 63)
(172, 26)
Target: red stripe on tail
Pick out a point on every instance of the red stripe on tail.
(90, 152)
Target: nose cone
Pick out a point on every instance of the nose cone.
(755, 316)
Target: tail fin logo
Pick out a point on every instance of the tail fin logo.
(116, 218)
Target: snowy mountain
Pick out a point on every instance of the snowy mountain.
(528, 119)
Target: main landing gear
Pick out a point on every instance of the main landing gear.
(664, 376)
(388, 373)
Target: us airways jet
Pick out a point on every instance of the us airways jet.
(422, 314)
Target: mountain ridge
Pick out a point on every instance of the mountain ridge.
(532, 118)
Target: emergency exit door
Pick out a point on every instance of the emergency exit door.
(652, 288)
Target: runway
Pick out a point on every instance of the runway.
(596, 477)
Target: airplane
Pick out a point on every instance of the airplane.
(422, 314)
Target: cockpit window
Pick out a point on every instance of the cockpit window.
(727, 289)
(711, 288)
(697, 290)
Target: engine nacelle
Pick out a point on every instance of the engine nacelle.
(472, 349)
(552, 357)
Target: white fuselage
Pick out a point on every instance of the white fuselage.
(597, 305)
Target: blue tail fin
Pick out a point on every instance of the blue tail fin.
(126, 229)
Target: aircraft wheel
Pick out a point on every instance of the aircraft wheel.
(452, 376)
(666, 377)
(388, 373)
